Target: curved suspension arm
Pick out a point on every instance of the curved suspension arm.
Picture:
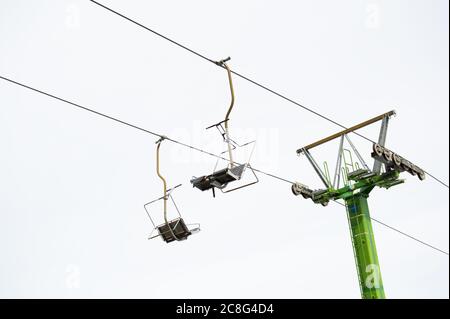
(227, 116)
(164, 190)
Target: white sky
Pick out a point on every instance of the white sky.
(72, 185)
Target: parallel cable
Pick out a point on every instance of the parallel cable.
(409, 236)
(187, 146)
(400, 232)
(249, 80)
(81, 107)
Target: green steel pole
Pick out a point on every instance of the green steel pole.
(364, 248)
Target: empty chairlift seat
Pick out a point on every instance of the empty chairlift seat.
(219, 179)
(171, 227)
(234, 171)
(175, 230)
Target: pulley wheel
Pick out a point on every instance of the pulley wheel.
(421, 174)
(414, 170)
(407, 166)
(378, 149)
(388, 155)
(397, 160)
(295, 189)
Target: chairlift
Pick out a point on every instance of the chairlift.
(233, 171)
(172, 228)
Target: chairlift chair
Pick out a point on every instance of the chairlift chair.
(174, 229)
(234, 171)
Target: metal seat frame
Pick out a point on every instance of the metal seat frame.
(234, 171)
(175, 223)
(221, 178)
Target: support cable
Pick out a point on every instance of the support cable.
(284, 97)
(187, 146)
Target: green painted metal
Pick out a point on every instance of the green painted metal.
(365, 251)
(386, 180)
(348, 164)
(355, 192)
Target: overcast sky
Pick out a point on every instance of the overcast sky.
(73, 185)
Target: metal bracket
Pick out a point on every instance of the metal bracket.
(161, 138)
(221, 62)
(245, 185)
(316, 168)
(223, 134)
(381, 141)
(337, 173)
(363, 163)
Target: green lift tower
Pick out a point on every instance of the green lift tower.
(353, 181)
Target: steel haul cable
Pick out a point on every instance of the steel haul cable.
(188, 146)
(249, 80)
(400, 232)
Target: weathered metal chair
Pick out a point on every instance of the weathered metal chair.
(172, 228)
(234, 171)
